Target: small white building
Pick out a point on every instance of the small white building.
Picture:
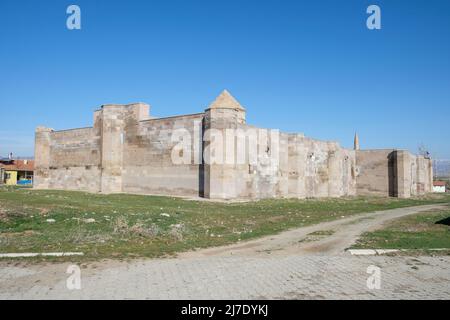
(439, 186)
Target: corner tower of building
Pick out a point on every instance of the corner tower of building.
(225, 112)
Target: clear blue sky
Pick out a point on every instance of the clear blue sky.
(300, 66)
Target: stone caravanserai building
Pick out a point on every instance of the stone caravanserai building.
(128, 151)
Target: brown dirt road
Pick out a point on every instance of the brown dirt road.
(328, 238)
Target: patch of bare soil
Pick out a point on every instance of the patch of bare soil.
(15, 234)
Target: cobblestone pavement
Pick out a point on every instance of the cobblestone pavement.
(290, 277)
(277, 267)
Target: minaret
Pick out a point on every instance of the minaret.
(356, 142)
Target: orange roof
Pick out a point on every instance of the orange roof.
(439, 183)
(18, 165)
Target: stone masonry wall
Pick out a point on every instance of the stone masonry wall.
(376, 172)
(395, 173)
(305, 168)
(414, 174)
(127, 150)
(148, 166)
(68, 159)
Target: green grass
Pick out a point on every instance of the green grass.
(128, 226)
(422, 231)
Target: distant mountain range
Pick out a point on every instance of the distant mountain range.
(17, 158)
(441, 168)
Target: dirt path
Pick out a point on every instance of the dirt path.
(330, 237)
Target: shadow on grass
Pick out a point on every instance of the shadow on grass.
(445, 222)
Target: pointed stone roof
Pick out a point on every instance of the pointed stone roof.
(225, 101)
